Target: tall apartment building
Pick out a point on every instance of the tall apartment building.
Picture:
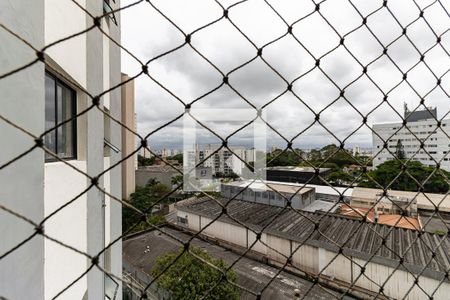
(421, 124)
(129, 165)
(223, 161)
(40, 97)
(144, 152)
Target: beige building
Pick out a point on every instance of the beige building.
(269, 193)
(427, 201)
(128, 138)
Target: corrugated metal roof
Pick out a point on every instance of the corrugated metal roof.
(358, 238)
(321, 205)
(278, 185)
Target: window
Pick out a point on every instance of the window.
(60, 105)
(182, 220)
(107, 9)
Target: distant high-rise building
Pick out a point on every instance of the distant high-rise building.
(223, 161)
(421, 127)
(356, 150)
(166, 153)
(144, 152)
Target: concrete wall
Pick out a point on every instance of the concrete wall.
(95, 212)
(313, 260)
(71, 54)
(21, 183)
(128, 138)
(62, 183)
(115, 208)
(41, 268)
(143, 176)
(68, 226)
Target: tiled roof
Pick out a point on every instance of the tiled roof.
(386, 219)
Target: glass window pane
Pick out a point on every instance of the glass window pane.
(65, 112)
(50, 138)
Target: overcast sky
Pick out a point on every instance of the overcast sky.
(146, 33)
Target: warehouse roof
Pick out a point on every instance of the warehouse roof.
(290, 186)
(361, 240)
(426, 201)
(142, 250)
(321, 205)
(296, 169)
(269, 186)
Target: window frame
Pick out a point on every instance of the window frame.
(74, 134)
(107, 9)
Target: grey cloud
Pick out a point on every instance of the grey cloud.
(147, 34)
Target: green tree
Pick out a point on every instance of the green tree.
(144, 161)
(315, 155)
(385, 173)
(191, 278)
(177, 157)
(286, 158)
(334, 154)
(339, 177)
(176, 180)
(143, 198)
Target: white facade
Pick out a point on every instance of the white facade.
(145, 153)
(261, 193)
(356, 150)
(41, 268)
(437, 144)
(223, 161)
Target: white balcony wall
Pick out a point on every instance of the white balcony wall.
(62, 19)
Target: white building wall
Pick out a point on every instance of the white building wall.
(21, 183)
(225, 231)
(335, 265)
(68, 226)
(64, 18)
(398, 285)
(279, 248)
(438, 144)
(42, 268)
(305, 257)
(260, 245)
(115, 209)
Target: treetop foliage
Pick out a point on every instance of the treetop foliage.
(385, 173)
(191, 278)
